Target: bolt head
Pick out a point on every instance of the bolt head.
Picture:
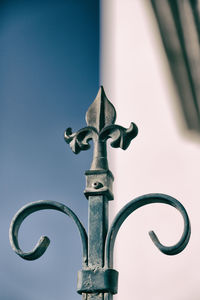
(97, 185)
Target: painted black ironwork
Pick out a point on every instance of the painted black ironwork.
(98, 280)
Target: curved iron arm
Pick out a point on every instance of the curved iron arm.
(137, 203)
(44, 241)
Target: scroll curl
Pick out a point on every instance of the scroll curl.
(80, 140)
(121, 137)
(44, 241)
(137, 203)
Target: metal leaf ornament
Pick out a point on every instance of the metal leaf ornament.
(100, 119)
(101, 112)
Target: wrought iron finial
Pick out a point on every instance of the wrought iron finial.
(100, 119)
(97, 279)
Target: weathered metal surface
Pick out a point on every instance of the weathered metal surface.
(98, 280)
(99, 182)
(44, 241)
(100, 119)
(97, 232)
(137, 203)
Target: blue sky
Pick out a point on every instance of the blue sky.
(49, 75)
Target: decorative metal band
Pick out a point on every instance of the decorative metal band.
(44, 241)
(137, 203)
(97, 281)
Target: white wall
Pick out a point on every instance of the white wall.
(161, 159)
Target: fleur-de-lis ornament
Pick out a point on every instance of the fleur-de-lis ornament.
(98, 280)
(100, 119)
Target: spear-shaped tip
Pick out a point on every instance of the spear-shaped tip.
(101, 112)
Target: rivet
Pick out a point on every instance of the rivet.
(97, 185)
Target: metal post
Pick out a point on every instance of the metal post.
(97, 231)
(98, 280)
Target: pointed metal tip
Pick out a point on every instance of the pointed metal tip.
(101, 88)
(101, 112)
(101, 93)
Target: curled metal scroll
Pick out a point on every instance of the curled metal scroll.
(137, 203)
(44, 241)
